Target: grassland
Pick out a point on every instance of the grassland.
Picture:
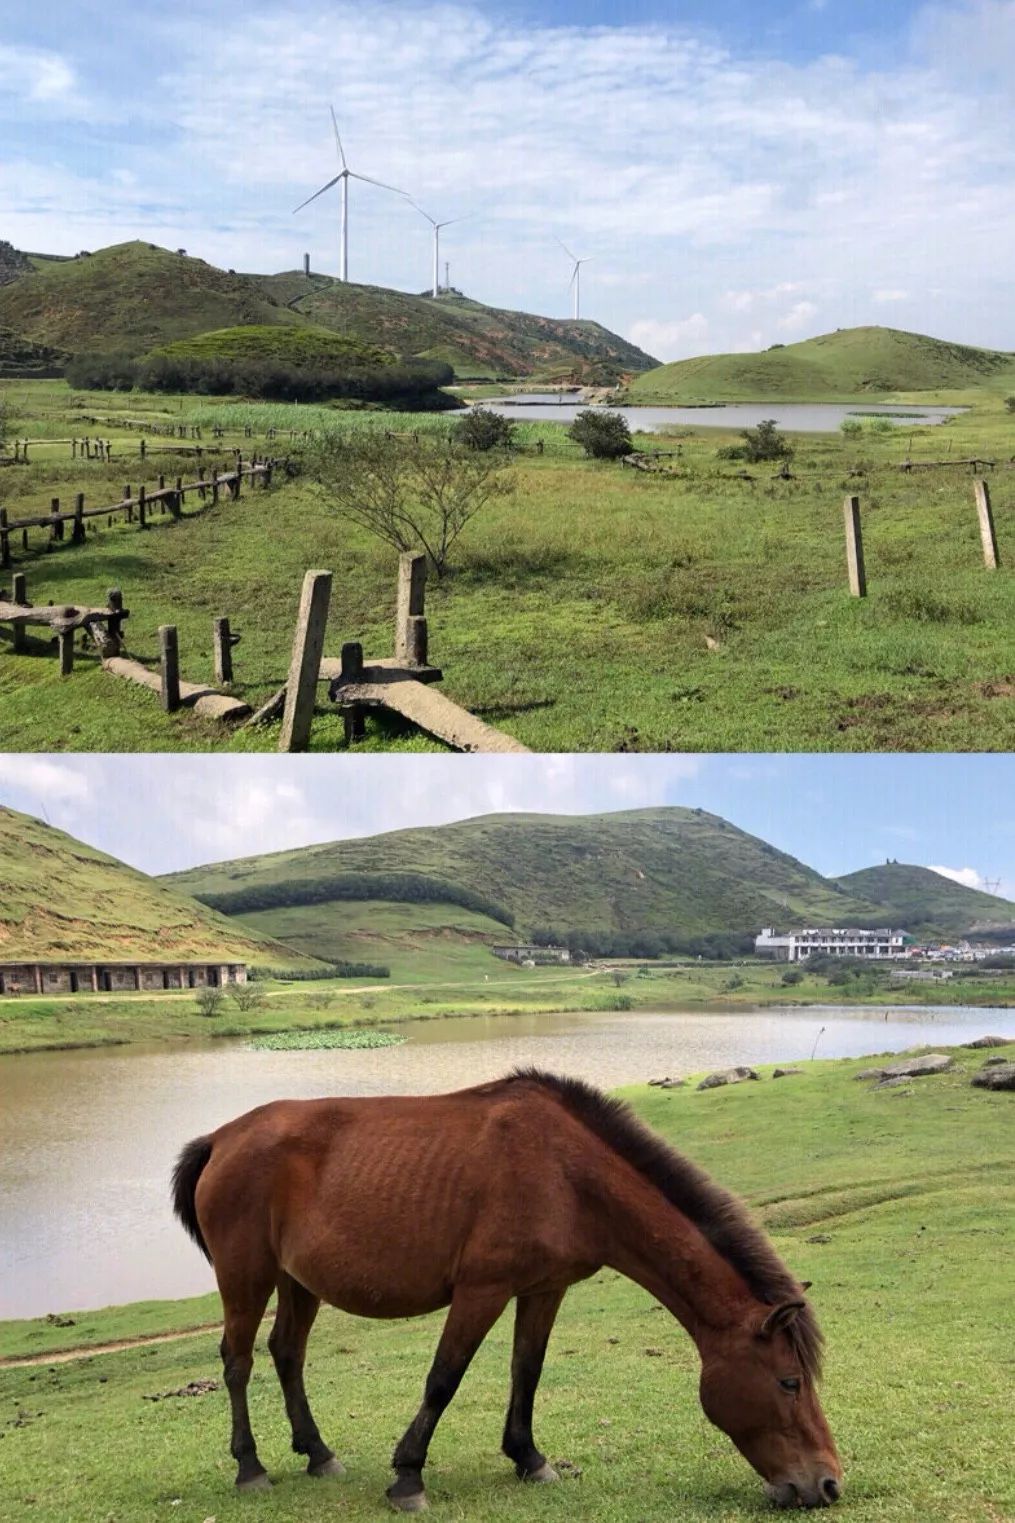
(464, 980)
(900, 1220)
(868, 362)
(594, 609)
(61, 899)
(292, 345)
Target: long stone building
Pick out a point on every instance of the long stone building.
(848, 941)
(116, 977)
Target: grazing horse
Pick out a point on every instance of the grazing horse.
(511, 1190)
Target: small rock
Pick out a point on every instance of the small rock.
(784, 1073)
(869, 1073)
(990, 1041)
(993, 1062)
(727, 1076)
(653, 1353)
(1000, 1077)
(820, 1237)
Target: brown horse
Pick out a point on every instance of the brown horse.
(516, 1189)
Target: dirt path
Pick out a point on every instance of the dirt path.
(87, 1350)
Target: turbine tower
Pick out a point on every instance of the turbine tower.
(576, 276)
(436, 241)
(344, 175)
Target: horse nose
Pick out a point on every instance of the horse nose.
(830, 1489)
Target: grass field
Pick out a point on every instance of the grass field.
(595, 608)
(461, 979)
(896, 1204)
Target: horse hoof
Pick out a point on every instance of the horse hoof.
(544, 1474)
(417, 1502)
(255, 1483)
(328, 1467)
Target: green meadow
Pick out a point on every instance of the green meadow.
(595, 608)
(896, 1203)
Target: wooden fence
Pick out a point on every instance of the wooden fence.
(133, 507)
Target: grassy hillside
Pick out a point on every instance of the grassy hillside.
(134, 296)
(130, 297)
(62, 899)
(13, 263)
(899, 1220)
(24, 359)
(666, 869)
(916, 892)
(853, 362)
(293, 345)
(477, 340)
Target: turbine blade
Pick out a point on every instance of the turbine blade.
(417, 206)
(338, 140)
(452, 220)
(564, 246)
(319, 192)
(383, 184)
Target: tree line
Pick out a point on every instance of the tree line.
(712, 946)
(401, 888)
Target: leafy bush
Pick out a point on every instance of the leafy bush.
(1009, 402)
(602, 435)
(851, 427)
(792, 976)
(209, 1001)
(333, 970)
(247, 997)
(482, 429)
(765, 442)
(102, 372)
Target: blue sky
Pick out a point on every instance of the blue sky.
(836, 813)
(739, 174)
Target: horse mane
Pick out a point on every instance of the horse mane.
(721, 1218)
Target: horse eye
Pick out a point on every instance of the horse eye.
(791, 1384)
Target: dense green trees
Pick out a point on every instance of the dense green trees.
(602, 435)
(402, 888)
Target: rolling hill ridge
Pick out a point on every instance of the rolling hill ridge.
(852, 362)
(906, 891)
(134, 296)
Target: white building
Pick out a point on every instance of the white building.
(797, 946)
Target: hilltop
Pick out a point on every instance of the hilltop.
(952, 909)
(852, 362)
(681, 871)
(62, 899)
(134, 296)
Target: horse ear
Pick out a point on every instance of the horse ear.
(780, 1318)
(806, 1284)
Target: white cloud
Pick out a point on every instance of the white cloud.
(969, 877)
(36, 75)
(38, 781)
(676, 340)
(889, 295)
(798, 317)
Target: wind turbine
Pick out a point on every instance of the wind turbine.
(344, 175)
(436, 240)
(576, 276)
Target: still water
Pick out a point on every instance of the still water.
(804, 417)
(87, 1139)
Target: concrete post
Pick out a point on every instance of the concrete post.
(411, 599)
(19, 595)
(223, 641)
(305, 666)
(55, 521)
(353, 717)
(65, 646)
(854, 548)
(78, 530)
(169, 653)
(985, 515)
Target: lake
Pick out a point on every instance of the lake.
(88, 1138)
(801, 417)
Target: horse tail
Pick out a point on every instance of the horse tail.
(189, 1167)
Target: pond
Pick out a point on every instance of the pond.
(802, 417)
(88, 1138)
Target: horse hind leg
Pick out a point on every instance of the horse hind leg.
(297, 1309)
(470, 1318)
(242, 1320)
(534, 1319)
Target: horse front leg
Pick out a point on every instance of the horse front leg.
(534, 1318)
(470, 1317)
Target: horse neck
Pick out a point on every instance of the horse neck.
(653, 1243)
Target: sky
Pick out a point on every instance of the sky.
(835, 813)
(737, 174)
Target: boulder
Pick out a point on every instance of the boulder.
(916, 1068)
(991, 1041)
(869, 1073)
(993, 1062)
(784, 1073)
(668, 1083)
(999, 1077)
(727, 1076)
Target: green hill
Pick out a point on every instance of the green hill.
(919, 894)
(682, 871)
(129, 298)
(22, 359)
(62, 899)
(135, 296)
(291, 345)
(852, 362)
(476, 340)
